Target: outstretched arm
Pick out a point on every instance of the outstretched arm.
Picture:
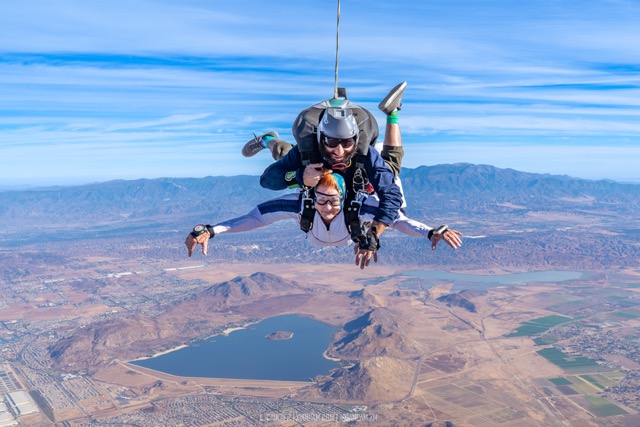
(411, 227)
(285, 207)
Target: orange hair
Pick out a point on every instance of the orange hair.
(334, 181)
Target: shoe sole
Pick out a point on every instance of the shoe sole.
(391, 98)
(249, 151)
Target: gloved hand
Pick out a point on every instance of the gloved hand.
(280, 149)
(367, 246)
(199, 236)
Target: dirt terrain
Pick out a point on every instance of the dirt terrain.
(461, 368)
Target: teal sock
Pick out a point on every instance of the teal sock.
(265, 140)
(392, 118)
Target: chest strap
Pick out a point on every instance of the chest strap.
(308, 212)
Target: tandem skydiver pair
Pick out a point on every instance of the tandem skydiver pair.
(348, 192)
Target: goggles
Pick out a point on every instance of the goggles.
(322, 199)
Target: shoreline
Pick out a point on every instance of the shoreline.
(237, 328)
(226, 332)
(172, 349)
(229, 330)
(326, 356)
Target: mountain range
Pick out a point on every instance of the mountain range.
(441, 188)
(521, 219)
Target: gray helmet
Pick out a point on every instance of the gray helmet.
(338, 123)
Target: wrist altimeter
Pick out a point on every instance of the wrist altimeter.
(200, 229)
(440, 230)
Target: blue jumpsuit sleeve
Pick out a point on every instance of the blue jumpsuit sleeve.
(382, 179)
(285, 173)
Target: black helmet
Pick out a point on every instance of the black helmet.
(337, 126)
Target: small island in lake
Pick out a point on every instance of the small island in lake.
(280, 335)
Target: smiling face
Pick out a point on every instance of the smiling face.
(337, 152)
(328, 202)
(329, 196)
(338, 134)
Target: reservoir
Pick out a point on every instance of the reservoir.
(478, 282)
(248, 354)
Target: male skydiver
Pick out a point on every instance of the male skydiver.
(289, 206)
(337, 147)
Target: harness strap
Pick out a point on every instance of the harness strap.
(308, 154)
(360, 178)
(351, 213)
(308, 211)
(352, 219)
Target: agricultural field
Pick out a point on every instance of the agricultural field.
(566, 362)
(539, 325)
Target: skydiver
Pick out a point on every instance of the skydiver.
(335, 144)
(290, 206)
(390, 105)
(329, 224)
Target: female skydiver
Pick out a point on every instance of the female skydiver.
(329, 226)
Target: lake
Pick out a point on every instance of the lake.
(479, 282)
(248, 354)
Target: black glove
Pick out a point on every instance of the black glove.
(368, 242)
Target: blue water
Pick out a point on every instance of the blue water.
(247, 354)
(481, 281)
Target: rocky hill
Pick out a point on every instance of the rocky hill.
(384, 359)
(461, 299)
(177, 322)
(245, 290)
(123, 338)
(378, 379)
(366, 298)
(379, 332)
(474, 187)
(127, 202)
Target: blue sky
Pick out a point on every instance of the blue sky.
(93, 91)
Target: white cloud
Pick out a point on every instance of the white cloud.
(137, 80)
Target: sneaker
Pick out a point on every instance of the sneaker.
(393, 100)
(254, 145)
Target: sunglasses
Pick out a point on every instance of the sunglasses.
(334, 142)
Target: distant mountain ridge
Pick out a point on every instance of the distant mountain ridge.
(128, 201)
(472, 186)
(460, 186)
(518, 219)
